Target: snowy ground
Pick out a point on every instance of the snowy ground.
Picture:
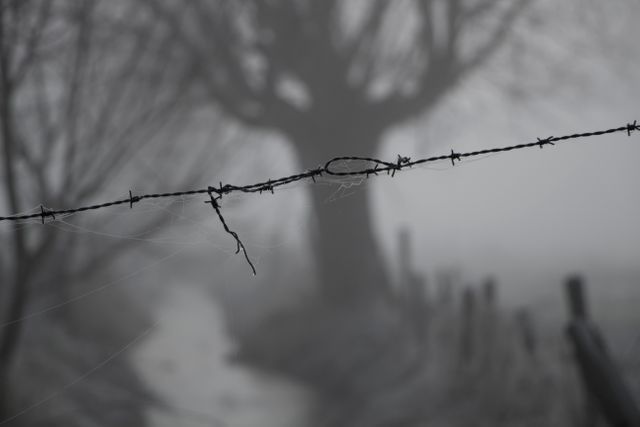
(185, 361)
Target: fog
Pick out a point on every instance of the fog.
(498, 290)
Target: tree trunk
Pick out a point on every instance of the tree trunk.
(350, 266)
(16, 280)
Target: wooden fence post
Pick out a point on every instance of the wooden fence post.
(576, 298)
(467, 334)
(490, 291)
(444, 291)
(527, 332)
(404, 257)
(489, 346)
(413, 288)
(603, 382)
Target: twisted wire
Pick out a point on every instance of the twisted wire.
(375, 167)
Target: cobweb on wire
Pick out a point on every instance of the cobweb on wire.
(187, 228)
(172, 238)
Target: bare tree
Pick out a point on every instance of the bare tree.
(332, 76)
(81, 92)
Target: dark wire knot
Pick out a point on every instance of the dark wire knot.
(133, 199)
(313, 172)
(214, 199)
(45, 213)
(268, 186)
(454, 156)
(399, 164)
(545, 141)
(373, 171)
(632, 126)
(402, 160)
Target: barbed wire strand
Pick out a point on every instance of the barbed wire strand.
(376, 167)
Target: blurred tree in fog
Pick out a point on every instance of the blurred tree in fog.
(332, 76)
(81, 92)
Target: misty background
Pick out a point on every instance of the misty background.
(377, 302)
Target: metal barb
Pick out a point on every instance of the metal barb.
(545, 141)
(45, 213)
(403, 160)
(400, 162)
(133, 199)
(454, 156)
(213, 199)
(267, 187)
(373, 171)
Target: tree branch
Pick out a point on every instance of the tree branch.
(443, 65)
(505, 22)
(33, 41)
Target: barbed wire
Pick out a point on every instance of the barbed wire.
(375, 167)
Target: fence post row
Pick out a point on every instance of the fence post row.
(602, 381)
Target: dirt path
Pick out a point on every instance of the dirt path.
(184, 361)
